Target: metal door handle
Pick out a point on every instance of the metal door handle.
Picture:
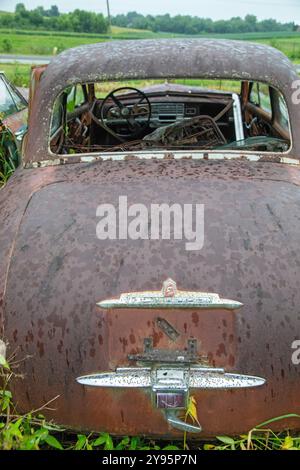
(177, 423)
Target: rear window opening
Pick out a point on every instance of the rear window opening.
(152, 115)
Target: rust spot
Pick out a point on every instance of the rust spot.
(100, 340)
(195, 318)
(40, 333)
(210, 359)
(231, 360)
(92, 352)
(124, 342)
(40, 347)
(58, 322)
(29, 337)
(221, 350)
(157, 336)
(132, 338)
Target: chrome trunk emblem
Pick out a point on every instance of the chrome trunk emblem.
(170, 374)
(169, 288)
(170, 297)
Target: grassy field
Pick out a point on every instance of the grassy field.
(17, 73)
(289, 46)
(43, 42)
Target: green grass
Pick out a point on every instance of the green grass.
(19, 74)
(289, 46)
(8, 156)
(39, 44)
(43, 42)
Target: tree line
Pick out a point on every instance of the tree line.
(79, 21)
(90, 22)
(184, 24)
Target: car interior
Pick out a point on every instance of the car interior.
(170, 115)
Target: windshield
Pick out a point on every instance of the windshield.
(169, 115)
(10, 100)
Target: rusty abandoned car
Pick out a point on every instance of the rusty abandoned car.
(126, 330)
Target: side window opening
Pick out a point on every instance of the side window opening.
(283, 115)
(76, 97)
(254, 94)
(57, 114)
(260, 96)
(265, 100)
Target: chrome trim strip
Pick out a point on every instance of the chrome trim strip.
(186, 300)
(130, 377)
(209, 155)
(170, 297)
(182, 299)
(192, 377)
(217, 380)
(237, 115)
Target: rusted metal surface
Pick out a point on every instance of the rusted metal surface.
(36, 76)
(15, 121)
(53, 271)
(199, 58)
(199, 129)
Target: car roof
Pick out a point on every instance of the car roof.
(168, 58)
(158, 59)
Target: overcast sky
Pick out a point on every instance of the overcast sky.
(282, 10)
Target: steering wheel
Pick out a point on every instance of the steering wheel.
(131, 120)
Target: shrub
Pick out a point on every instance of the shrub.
(6, 45)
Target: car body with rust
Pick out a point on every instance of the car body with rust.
(125, 330)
